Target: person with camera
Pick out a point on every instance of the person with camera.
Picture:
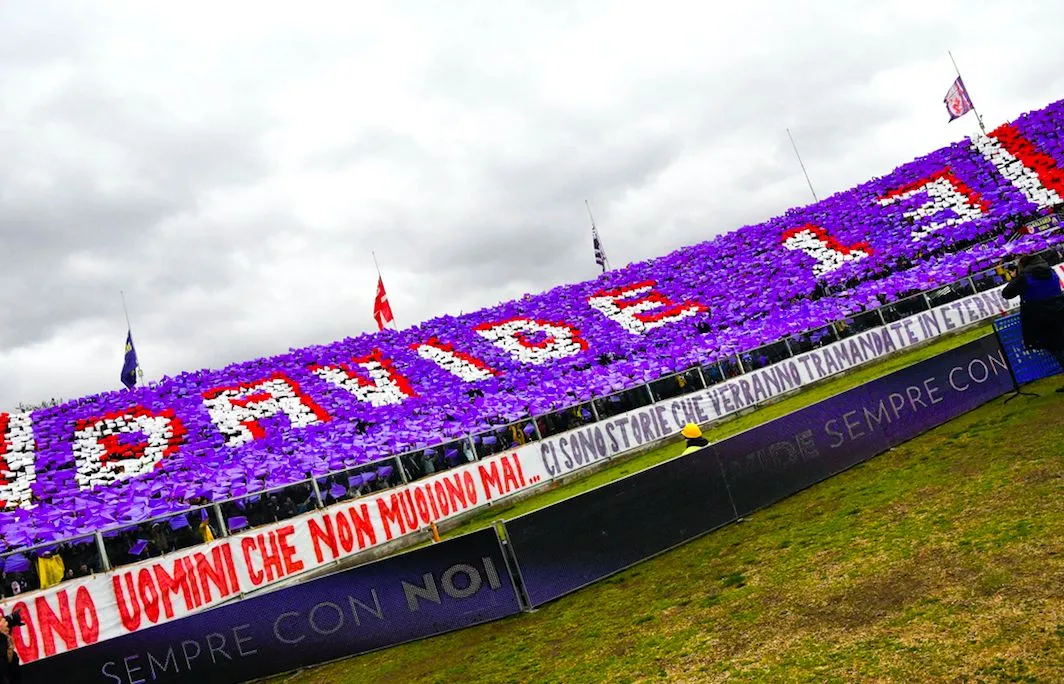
(1041, 305)
(10, 668)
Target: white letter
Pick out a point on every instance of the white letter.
(829, 253)
(17, 469)
(458, 364)
(102, 456)
(237, 410)
(533, 341)
(944, 191)
(385, 387)
(631, 315)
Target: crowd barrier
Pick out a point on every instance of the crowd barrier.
(152, 592)
(546, 554)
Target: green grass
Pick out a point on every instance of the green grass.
(718, 432)
(941, 560)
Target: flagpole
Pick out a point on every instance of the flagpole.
(381, 279)
(594, 232)
(802, 164)
(974, 110)
(129, 329)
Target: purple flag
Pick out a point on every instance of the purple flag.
(957, 101)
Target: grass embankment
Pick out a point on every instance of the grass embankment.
(942, 559)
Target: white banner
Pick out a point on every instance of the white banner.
(134, 597)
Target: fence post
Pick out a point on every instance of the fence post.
(317, 492)
(971, 281)
(223, 530)
(882, 318)
(650, 393)
(739, 362)
(105, 562)
(401, 469)
(473, 446)
(701, 376)
(594, 409)
(535, 426)
(787, 343)
(927, 301)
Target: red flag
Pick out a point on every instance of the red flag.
(382, 310)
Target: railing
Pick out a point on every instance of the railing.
(128, 542)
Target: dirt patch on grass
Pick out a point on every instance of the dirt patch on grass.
(867, 601)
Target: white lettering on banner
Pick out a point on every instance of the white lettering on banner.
(134, 597)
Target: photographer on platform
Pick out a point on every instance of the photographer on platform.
(1041, 305)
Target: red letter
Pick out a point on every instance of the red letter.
(533, 341)
(130, 614)
(52, 625)
(171, 584)
(237, 410)
(391, 513)
(26, 636)
(320, 536)
(88, 620)
(247, 546)
(944, 192)
(384, 388)
(829, 253)
(489, 478)
(632, 314)
(17, 471)
(459, 364)
(364, 531)
(292, 564)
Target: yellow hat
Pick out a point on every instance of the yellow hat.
(691, 431)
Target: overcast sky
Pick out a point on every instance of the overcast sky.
(230, 165)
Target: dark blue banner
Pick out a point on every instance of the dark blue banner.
(447, 586)
(1027, 365)
(581, 540)
(779, 458)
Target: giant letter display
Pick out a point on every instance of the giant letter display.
(455, 584)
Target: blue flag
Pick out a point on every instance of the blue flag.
(129, 368)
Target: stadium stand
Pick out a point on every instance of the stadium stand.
(274, 437)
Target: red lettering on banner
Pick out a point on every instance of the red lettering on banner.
(630, 307)
(455, 492)
(489, 478)
(391, 514)
(88, 619)
(509, 475)
(406, 501)
(364, 530)
(171, 584)
(26, 636)
(440, 495)
(520, 471)
(345, 533)
(470, 488)
(326, 536)
(52, 625)
(271, 556)
(190, 573)
(128, 613)
(292, 564)
(247, 547)
(214, 572)
(421, 501)
(149, 595)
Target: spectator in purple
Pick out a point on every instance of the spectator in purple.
(1041, 306)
